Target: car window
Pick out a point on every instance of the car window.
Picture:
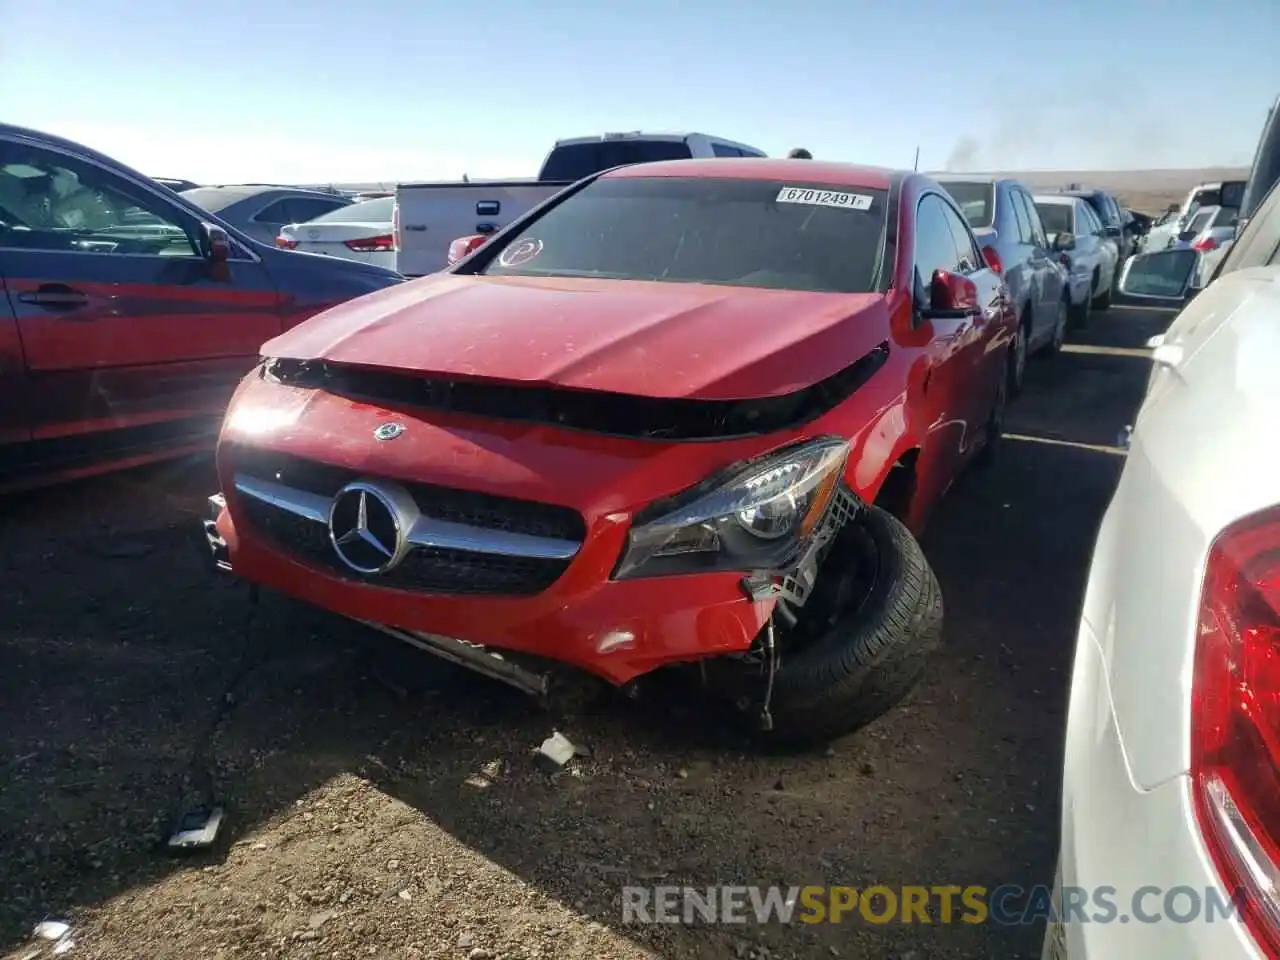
(1056, 217)
(729, 231)
(574, 161)
(969, 258)
(720, 150)
(1201, 220)
(976, 200)
(1033, 218)
(1020, 216)
(272, 213)
(49, 201)
(1091, 225)
(935, 243)
(302, 209)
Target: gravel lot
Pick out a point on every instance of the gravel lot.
(382, 805)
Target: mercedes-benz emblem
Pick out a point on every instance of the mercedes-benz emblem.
(388, 431)
(313, 234)
(368, 528)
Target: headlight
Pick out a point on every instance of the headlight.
(759, 517)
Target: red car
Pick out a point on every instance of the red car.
(682, 413)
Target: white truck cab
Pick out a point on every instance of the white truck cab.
(429, 216)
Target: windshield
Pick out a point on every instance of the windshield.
(1056, 217)
(368, 211)
(975, 200)
(752, 233)
(574, 161)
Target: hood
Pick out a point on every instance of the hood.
(668, 340)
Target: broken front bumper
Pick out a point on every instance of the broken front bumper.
(616, 630)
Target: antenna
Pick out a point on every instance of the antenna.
(915, 165)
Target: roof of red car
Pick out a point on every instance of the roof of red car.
(766, 168)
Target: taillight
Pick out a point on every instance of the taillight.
(1064, 260)
(382, 244)
(284, 243)
(1235, 718)
(993, 259)
(1205, 244)
(395, 227)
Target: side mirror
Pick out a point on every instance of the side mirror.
(217, 245)
(1164, 275)
(463, 247)
(951, 296)
(1063, 242)
(1112, 231)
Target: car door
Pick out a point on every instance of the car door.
(1047, 273)
(948, 403)
(13, 395)
(1087, 256)
(983, 352)
(130, 331)
(1017, 265)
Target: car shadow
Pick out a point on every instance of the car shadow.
(355, 772)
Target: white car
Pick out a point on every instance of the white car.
(358, 231)
(1077, 236)
(1171, 784)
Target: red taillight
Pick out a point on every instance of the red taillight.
(993, 259)
(1235, 718)
(395, 227)
(1064, 260)
(382, 244)
(1205, 244)
(284, 243)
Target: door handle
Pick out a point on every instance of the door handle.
(54, 296)
(416, 227)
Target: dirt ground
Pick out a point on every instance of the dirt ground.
(1148, 191)
(382, 805)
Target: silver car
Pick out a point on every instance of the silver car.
(1008, 228)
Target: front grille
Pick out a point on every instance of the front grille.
(430, 570)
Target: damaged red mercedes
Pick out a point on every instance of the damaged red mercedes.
(687, 412)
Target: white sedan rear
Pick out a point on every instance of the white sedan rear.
(360, 231)
(1171, 787)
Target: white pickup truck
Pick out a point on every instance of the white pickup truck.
(427, 217)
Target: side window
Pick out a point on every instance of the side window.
(720, 150)
(935, 243)
(1090, 224)
(50, 201)
(1033, 218)
(1259, 241)
(273, 213)
(1020, 214)
(969, 257)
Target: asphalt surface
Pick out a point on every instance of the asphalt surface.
(381, 806)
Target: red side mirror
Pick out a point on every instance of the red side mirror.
(465, 246)
(993, 259)
(952, 293)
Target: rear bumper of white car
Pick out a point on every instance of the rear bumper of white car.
(1137, 850)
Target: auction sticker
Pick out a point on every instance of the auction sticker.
(824, 198)
(520, 253)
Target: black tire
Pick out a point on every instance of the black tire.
(1060, 324)
(1102, 298)
(1019, 351)
(1078, 315)
(871, 651)
(993, 432)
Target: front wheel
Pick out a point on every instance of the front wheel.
(1017, 368)
(1059, 326)
(864, 636)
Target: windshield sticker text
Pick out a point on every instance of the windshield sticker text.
(824, 198)
(520, 253)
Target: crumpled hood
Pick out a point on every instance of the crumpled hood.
(640, 338)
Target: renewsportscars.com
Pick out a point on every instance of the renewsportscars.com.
(1008, 905)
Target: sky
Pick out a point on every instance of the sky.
(338, 90)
